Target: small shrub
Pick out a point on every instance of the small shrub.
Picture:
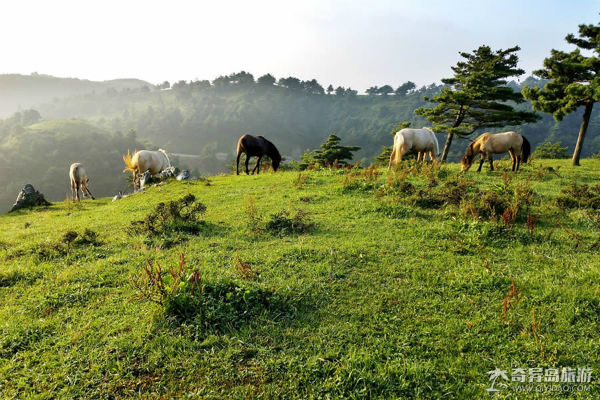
(427, 199)
(243, 269)
(285, 223)
(183, 215)
(152, 286)
(492, 204)
(454, 190)
(70, 240)
(185, 298)
(579, 196)
(551, 150)
(88, 237)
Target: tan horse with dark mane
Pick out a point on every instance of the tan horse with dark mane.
(489, 144)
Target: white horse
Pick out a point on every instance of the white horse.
(421, 141)
(79, 180)
(146, 160)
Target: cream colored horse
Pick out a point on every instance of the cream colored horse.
(489, 144)
(79, 180)
(421, 141)
(146, 160)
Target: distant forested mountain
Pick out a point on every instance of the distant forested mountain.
(199, 123)
(18, 92)
(201, 118)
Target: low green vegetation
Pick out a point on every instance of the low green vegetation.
(325, 283)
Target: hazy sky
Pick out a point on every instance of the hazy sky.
(349, 43)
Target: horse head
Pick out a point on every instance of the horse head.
(274, 155)
(467, 160)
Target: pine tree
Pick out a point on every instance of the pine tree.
(574, 82)
(330, 152)
(476, 97)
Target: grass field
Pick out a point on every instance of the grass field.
(383, 286)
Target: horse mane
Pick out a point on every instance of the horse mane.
(272, 151)
(166, 156)
(469, 152)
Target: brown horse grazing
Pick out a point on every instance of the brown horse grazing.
(256, 146)
(489, 144)
(79, 180)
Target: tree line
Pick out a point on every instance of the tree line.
(478, 97)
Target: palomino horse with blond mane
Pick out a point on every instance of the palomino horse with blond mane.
(145, 160)
(421, 141)
(489, 144)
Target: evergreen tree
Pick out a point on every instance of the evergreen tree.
(573, 82)
(399, 126)
(266, 80)
(403, 89)
(330, 152)
(476, 97)
(372, 91)
(385, 90)
(330, 89)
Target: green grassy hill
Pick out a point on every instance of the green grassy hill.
(368, 285)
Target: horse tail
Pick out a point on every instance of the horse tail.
(73, 172)
(129, 164)
(240, 145)
(398, 146)
(525, 149)
(436, 144)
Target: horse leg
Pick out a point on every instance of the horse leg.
(481, 162)
(246, 164)
(432, 156)
(419, 156)
(392, 157)
(513, 158)
(257, 166)
(518, 161)
(491, 158)
(73, 188)
(87, 190)
(237, 163)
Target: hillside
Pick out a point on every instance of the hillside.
(41, 153)
(26, 91)
(413, 284)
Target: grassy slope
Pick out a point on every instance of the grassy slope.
(385, 306)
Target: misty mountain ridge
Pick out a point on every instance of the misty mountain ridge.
(26, 91)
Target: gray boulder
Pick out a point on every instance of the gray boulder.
(184, 175)
(146, 178)
(29, 197)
